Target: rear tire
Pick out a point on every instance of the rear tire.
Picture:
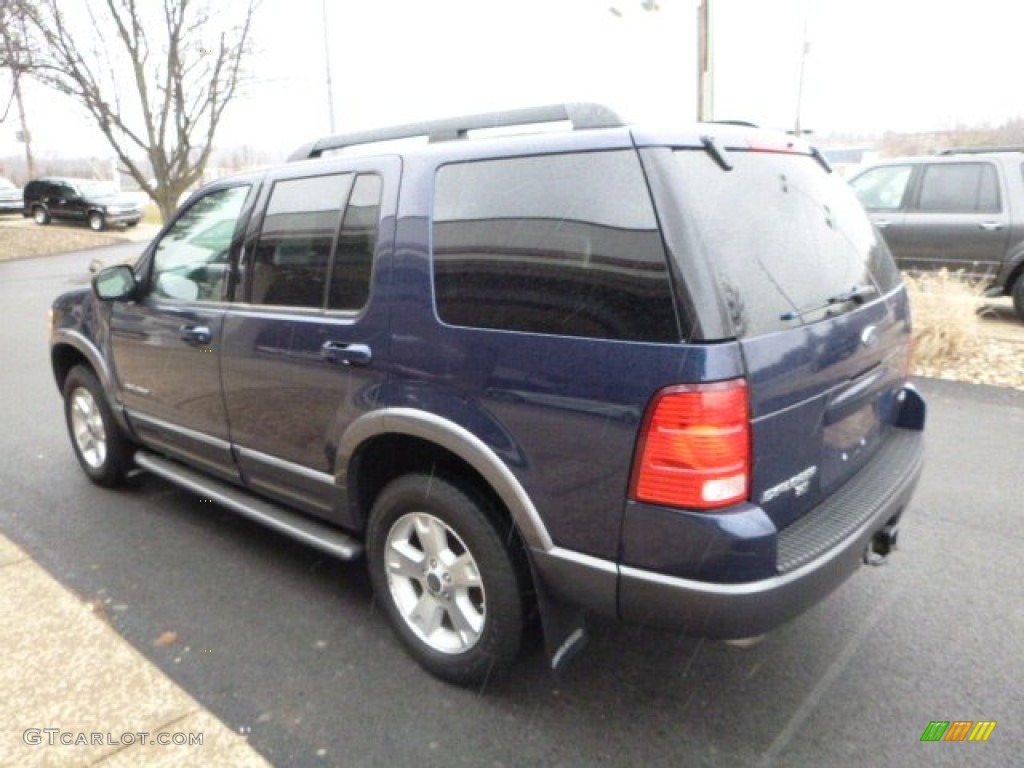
(102, 450)
(1018, 297)
(449, 583)
(40, 215)
(96, 222)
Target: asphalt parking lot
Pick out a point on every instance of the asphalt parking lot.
(287, 647)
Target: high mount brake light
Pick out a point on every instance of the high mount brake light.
(784, 144)
(694, 448)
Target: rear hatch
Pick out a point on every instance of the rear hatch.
(810, 291)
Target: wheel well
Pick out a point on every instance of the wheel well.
(386, 457)
(1017, 274)
(382, 459)
(64, 358)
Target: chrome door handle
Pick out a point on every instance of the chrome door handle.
(882, 223)
(197, 335)
(990, 226)
(346, 354)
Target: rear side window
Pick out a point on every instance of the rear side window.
(783, 236)
(316, 245)
(559, 244)
(353, 261)
(959, 188)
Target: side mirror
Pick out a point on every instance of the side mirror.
(115, 283)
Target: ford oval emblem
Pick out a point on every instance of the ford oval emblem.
(870, 336)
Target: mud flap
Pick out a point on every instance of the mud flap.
(564, 627)
(912, 409)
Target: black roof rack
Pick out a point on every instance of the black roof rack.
(582, 115)
(981, 150)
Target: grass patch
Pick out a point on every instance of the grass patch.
(23, 242)
(151, 214)
(945, 310)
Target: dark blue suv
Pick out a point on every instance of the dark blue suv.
(659, 375)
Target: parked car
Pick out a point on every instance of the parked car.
(962, 210)
(10, 196)
(92, 202)
(659, 375)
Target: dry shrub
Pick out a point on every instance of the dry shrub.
(945, 310)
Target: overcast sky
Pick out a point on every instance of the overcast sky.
(871, 65)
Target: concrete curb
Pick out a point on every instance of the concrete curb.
(77, 694)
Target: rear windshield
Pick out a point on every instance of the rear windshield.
(783, 236)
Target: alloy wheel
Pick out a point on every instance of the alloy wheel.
(435, 583)
(87, 428)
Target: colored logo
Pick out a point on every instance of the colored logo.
(958, 730)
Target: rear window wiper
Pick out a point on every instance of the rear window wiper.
(856, 295)
(717, 151)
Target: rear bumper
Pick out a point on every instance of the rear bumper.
(813, 559)
(752, 608)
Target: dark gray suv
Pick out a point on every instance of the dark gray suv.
(962, 210)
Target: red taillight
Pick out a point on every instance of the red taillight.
(694, 450)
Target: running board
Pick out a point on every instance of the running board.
(293, 524)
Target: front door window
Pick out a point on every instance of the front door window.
(192, 259)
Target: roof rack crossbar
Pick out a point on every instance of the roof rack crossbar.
(582, 115)
(982, 150)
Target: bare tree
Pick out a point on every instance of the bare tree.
(15, 55)
(155, 76)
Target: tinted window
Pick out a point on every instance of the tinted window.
(564, 244)
(293, 253)
(882, 189)
(192, 258)
(783, 235)
(353, 261)
(959, 187)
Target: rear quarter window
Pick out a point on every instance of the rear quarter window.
(557, 244)
(959, 188)
(782, 234)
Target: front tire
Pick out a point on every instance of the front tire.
(451, 587)
(96, 222)
(102, 450)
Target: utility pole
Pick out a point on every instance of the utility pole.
(14, 52)
(327, 65)
(26, 137)
(705, 61)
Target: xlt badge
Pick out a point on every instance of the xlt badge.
(799, 484)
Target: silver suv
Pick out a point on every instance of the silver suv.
(962, 210)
